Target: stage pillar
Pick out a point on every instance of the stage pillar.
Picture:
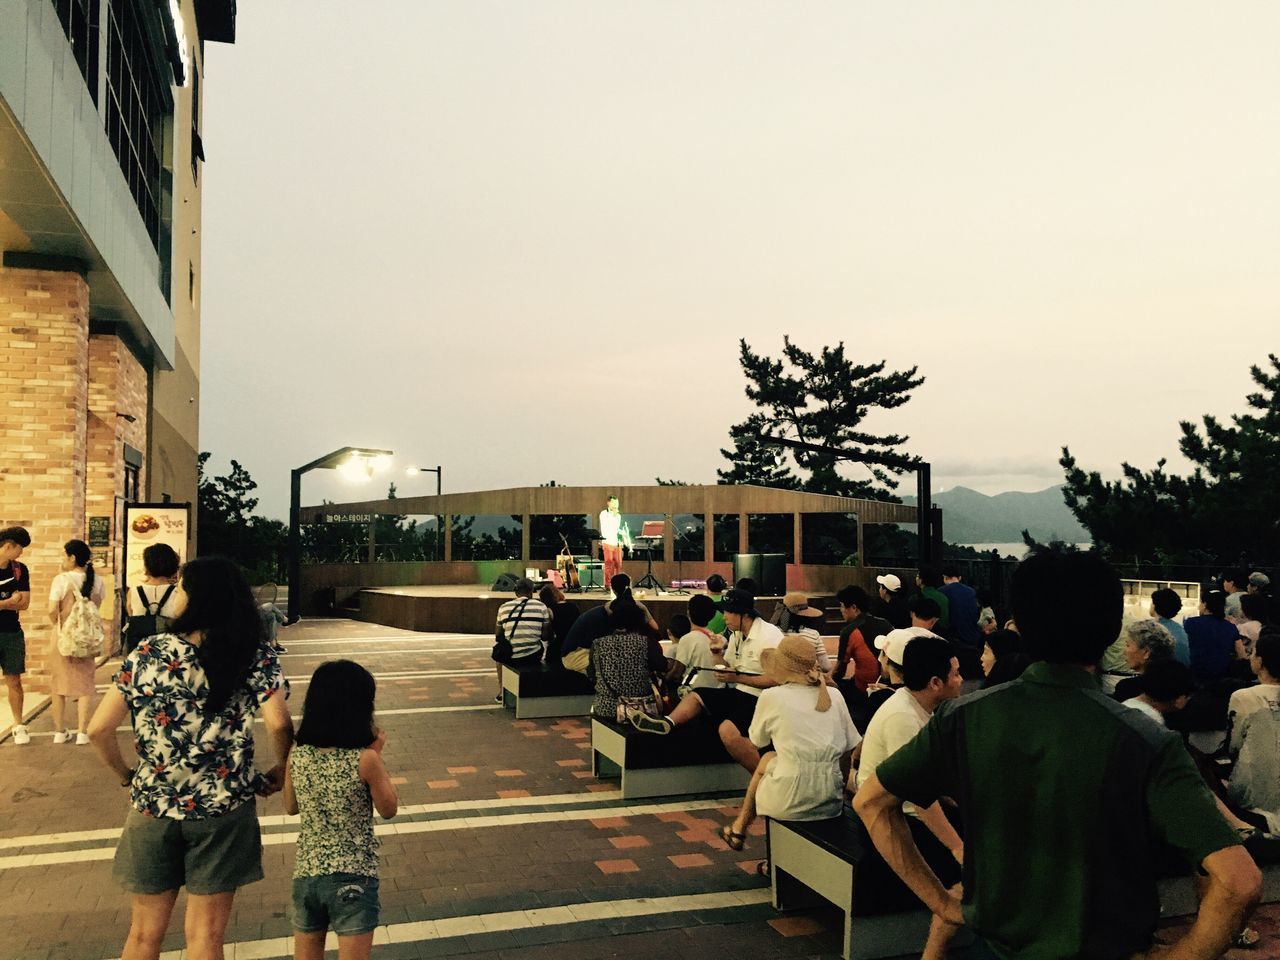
(668, 540)
(447, 519)
(744, 545)
(525, 549)
(373, 540)
(798, 536)
(708, 537)
(862, 559)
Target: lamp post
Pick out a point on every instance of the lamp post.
(439, 472)
(357, 463)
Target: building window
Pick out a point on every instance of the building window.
(131, 474)
(197, 147)
(79, 19)
(135, 109)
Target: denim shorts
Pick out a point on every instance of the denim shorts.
(345, 903)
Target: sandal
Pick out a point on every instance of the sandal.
(736, 841)
(762, 869)
(1246, 939)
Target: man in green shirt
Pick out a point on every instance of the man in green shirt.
(929, 584)
(1066, 796)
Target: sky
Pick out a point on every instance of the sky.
(523, 240)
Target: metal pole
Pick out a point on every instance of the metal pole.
(295, 542)
(924, 503)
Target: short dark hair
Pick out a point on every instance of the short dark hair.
(338, 710)
(524, 587)
(1165, 680)
(930, 575)
(1267, 649)
(747, 584)
(1167, 602)
(924, 608)
(702, 609)
(854, 596)
(612, 496)
(679, 625)
(1254, 606)
(626, 614)
(951, 569)
(1215, 602)
(16, 535)
(160, 560)
(1058, 631)
(1003, 643)
(1237, 576)
(717, 583)
(619, 583)
(925, 658)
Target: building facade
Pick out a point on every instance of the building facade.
(100, 221)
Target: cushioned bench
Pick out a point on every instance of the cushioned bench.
(544, 691)
(827, 859)
(690, 759)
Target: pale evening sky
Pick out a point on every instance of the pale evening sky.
(523, 239)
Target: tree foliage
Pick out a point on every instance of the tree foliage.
(226, 525)
(1227, 509)
(823, 399)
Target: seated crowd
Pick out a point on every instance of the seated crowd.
(975, 801)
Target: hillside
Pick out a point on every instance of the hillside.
(972, 517)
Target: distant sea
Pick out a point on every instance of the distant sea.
(1018, 550)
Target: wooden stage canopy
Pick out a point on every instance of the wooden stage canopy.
(342, 582)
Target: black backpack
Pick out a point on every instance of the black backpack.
(148, 623)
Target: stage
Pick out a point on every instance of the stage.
(474, 608)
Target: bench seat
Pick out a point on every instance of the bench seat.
(829, 859)
(542, 691)
(690, 759)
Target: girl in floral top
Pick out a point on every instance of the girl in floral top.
(336, 779)
(191, 696)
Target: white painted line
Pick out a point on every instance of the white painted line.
(481, 923)
(445, 825)
(284, 820)
(370, 653)
(289, 641)
(398, 712)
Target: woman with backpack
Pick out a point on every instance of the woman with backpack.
(191, 696)
(74, 598)
(149, 605)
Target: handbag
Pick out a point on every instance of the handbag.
(649, 704)
(501, 644)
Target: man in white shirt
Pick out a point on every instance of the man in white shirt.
(733, 707)
(614, 535)
(522, 629)
(931, 674)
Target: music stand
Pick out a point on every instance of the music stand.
(590, 583)
(650, 533)
(680, 561)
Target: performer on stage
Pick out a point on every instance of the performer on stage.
(614, 535)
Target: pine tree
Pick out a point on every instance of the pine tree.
(1227, 509)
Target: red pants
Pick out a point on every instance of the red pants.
(612, 561)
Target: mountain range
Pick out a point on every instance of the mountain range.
(972, 517)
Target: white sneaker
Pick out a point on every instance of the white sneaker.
(81, 739)
(62, 736)
(20, 735)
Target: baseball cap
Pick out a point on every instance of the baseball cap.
(893, 643)
(890, 582)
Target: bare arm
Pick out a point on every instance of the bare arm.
(275, 714)
(1233, 886)
(882, 814)
(19, 601)
(102, 734)
(374, 772)
(938, 824)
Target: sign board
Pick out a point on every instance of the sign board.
(348, 517)
(150, 523)
(99, 531)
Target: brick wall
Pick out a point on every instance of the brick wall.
(44, 366)
(117, 385)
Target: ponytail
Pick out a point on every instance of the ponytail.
(79, 551)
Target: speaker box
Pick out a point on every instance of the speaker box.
(746, 565)
(505, 583)
(773, 574)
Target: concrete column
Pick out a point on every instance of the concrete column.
(526, 551)
(447, 520)
(744, 545)
(862, 557)
(668, 541)
(798, 537)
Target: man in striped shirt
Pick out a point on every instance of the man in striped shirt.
(521, 633)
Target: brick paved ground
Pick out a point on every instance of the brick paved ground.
(506, 844)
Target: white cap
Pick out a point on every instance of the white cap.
(895, 642)
(890, 582)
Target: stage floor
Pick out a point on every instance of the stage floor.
(473, 608)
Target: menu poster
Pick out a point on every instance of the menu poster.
(150, 523)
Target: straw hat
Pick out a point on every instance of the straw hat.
(795, 660)
(798, 604)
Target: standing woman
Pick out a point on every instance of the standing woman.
(72, 677)
(191, 695)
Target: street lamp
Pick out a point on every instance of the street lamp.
(353, 463)
(439, 472)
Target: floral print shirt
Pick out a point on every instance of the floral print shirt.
(191, 766)
(337, 813)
